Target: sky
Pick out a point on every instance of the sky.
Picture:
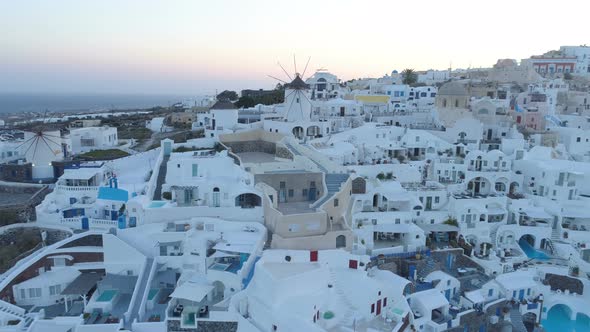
(197, 47)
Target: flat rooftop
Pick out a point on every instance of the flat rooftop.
(295, 208)
(256, 157)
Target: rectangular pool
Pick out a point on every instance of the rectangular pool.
(107, 295)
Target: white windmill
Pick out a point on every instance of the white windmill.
(298, 106)
(41, 147)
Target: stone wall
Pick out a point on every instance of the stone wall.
(563, 283)
(15, 210)
(359, 186)
(251, 146)
(16, 173)
(203, 326)
(93, 240)
(283, 152)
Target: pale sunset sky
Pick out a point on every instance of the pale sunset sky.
(196, 47)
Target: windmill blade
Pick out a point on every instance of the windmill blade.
(289, 109)
(278, 79)
(35, 151)
(289, 76)
(300, 106)
(289, 95)
(305, 69)
(25, 142)
(49, 147)
(295, 64)
(49, 135)
(31, 145)
(52, 141)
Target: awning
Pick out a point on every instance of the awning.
(192, 291)
(536, 213)
(220, 254)
(430, 228)
(496, 210)
(82, 284)
(239, 248)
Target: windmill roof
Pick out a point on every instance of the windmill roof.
(223, 105)
(297, 84)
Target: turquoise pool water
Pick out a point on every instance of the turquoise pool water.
(152, 293)
(107, 295)
(558, 320)
(157, 204)
(530, 251)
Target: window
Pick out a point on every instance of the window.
(291, 193)
(490, 292)
(579, 139)
(304, 193)
(336, 202)
(34, 292)
(55, 290)
(177, 165)
(22, 293)
(436, 199)
(195, 170)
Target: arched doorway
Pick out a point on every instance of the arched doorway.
(313, 131)
(298, 132)
(248, 200)
(218, 291)
(478, 186)
(341, 241)
(216, 197)
(529, 239)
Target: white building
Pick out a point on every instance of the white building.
(93, 138)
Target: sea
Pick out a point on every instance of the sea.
(22, 102)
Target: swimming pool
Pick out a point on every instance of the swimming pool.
(531, 252)
(558, 320)
(219, 266)
(152, 293)
(156, 204)
(107, 295)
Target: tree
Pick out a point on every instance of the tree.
(227, 95)
(567, 76)
(409, 76)
(245, 102)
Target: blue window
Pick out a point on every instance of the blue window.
(401, 93)
(195, 170)
(490, 292)
(513, 294)
(528, 291)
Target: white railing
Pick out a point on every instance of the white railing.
(61, 187)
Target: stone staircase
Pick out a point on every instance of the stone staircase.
(556, 235)
(333, 184)
(429, 266)
(348, 318)
(516, 320)
(18, 313)
(161, 179)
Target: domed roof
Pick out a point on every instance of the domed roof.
(453, 89)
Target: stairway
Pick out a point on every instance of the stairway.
(429, 267)
(161, 178)
(18, 313)
(333, 184)
(348, 317)
(556, 235)
(516, 320)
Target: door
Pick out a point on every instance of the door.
(412, 271)
(489, 134)
(213, 124)
(312, 191)
(341, 111)
(521, 294)
(282, 192)
(216, 200)
(448, 294)
(313, 256)
(428, 202)
(378, 308)
(352, 264)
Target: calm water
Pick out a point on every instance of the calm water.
(12, 103)
(530, 251)
(558, 320)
